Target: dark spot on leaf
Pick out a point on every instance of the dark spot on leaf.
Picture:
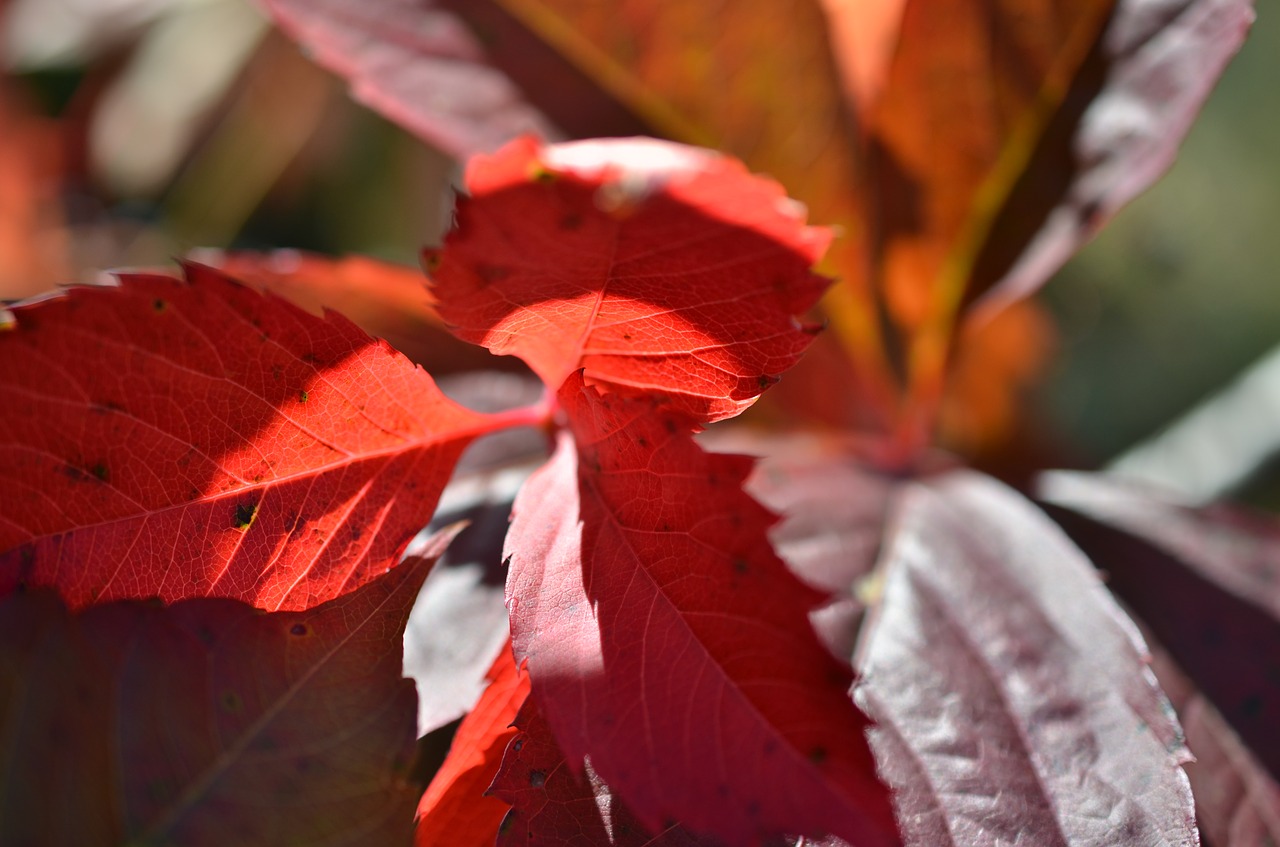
(310, 358)
(245, 515)
(537, 779)
(206, 636)
(571, 221)
(298, 629)
(492, 273)
(670, 425)
(517, 745)
(231, 702)
(753, 808)
(764, 381)
(100, 471)
(74, 474)
(626, 336)
(159, 305)
(741, 566)
(818, 755)
(1251, 706)
(303, 396)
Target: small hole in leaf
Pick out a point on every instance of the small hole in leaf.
(245, 515)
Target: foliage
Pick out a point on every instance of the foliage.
(209, 480)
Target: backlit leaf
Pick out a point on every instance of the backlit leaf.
(658, 268)
(386, 300)
(191, 439)
(997, 667)
(208, 722)
(454, 810)
(554, 805)
(668, 644)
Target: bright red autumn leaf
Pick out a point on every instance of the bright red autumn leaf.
(209, 722)
(669, 644)
(190, 439)
(996, 666)
(555, 805)
(1205, 581)
(657, 268)
(454, 810)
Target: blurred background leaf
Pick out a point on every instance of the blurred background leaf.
(165, 125)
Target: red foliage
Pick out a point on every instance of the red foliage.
(552, 805)
(669, 644)
(455, 809)
(657, 268)
(208, 722)
(219, 442)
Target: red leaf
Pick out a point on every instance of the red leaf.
(658, 268)
(1237, 801)
(455, 810)
(666, 642)
(833, 520)
(200, 439)
(417, 65)
(996, 666)
(208, 721)
(552, 806)
(1206, 582)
